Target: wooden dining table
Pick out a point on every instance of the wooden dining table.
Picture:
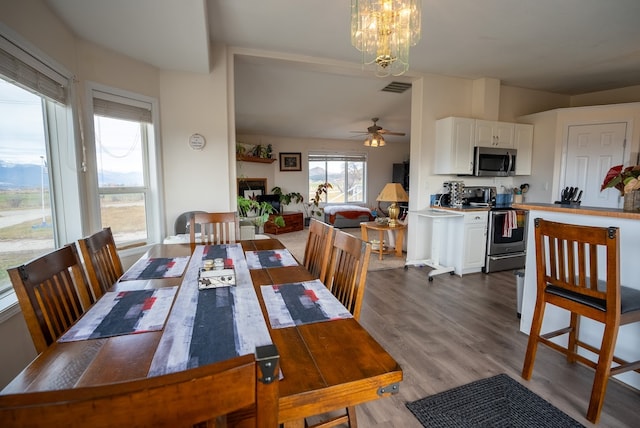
(324, 365)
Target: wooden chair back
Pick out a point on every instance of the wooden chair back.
(347, 271)
(101, 260)
(215, 228)
(202, 395)
(53, 293)
(568, 259)
(318, 248)
(578, 269)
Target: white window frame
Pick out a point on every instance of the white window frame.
(152, 157)
(62, 147)
(346, 157)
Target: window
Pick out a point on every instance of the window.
(34, 131)
(124, 153)
(347, 174)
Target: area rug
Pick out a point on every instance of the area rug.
(498, 401)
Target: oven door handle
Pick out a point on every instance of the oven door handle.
(508, 256)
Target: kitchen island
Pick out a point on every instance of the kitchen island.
(628, 343)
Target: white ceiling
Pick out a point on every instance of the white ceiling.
(315, 88)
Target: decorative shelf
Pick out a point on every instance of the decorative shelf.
(243, 158)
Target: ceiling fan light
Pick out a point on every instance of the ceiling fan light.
(374, 140)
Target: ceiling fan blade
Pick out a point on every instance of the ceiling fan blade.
(384, 131)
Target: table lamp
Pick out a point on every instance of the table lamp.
(393, 192)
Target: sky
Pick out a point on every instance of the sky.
(22, 139)
(21, 128)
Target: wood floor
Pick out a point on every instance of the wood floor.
(456, 330)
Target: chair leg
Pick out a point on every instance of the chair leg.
(534, 334)
(572, 344)
(603, 371)
(351, 412)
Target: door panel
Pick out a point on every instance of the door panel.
(591, 151)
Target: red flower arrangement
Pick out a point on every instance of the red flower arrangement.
(625, 180)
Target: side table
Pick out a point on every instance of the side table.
(382, 228)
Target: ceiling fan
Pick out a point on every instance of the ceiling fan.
(374, 134)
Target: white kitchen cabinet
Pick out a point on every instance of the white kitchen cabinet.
(523, 143)
(466, 242)
(474, 245)
(494, 134)
(454, 146)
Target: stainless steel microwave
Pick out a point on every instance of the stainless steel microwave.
(494, 162)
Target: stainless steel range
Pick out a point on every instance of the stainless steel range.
(506, 239)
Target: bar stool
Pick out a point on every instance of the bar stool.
(568, 260)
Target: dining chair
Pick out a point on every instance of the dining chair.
(200, 396)
(215, 228)
(101, 260)
(318, 248)
(578, 269)
(346, 279)
(53, 293)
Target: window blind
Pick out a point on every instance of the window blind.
(31, 74)
(328, 157)
(116, 107)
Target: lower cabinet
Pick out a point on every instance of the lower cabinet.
(466, 246)
(474, 241)
(292, 222)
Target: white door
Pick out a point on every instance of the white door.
(591, 151)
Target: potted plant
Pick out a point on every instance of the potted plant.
(314, 205)
(287, 198)
(627, 182)
(257, 212)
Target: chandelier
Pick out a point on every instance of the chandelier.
(374, 140)
(383, 30)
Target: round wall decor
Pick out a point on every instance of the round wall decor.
(197, 142)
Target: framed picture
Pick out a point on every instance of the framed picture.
(290, 162)
(252, 186)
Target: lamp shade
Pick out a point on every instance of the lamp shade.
(393, 192)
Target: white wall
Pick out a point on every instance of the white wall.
(550, 138)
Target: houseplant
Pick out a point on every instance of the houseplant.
(257, 212)
(314, 205)
(287, 198)
(627, 181)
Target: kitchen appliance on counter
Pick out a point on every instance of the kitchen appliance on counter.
(494, 162)
(455, 190)
(461, 196)
(506, 239)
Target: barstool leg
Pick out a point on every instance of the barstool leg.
(534, 334)
(603, 371)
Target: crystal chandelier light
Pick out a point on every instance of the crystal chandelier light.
(383, 30)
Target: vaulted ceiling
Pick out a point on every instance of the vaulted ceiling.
(306, 81)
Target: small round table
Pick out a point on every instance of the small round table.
(382, 228)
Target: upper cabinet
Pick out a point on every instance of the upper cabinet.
(454, 146)
(457, 136)
(523, 143)
(494, 134)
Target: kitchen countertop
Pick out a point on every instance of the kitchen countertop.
(597, 211)
(463, 208)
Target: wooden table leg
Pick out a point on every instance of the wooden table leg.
(399, 241)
